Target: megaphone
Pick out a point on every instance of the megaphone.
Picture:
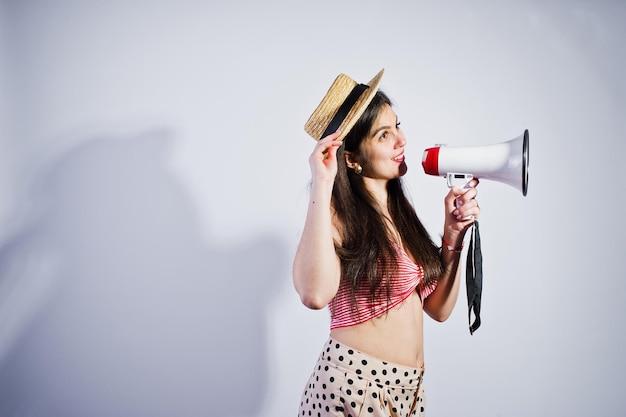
(505, 162)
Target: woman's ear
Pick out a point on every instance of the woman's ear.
(351, 161)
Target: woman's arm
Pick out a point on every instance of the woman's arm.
(316, 267)
(459, 205)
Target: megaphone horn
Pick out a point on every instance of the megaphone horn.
(505, 162)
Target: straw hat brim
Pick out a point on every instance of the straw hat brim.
(332, 101)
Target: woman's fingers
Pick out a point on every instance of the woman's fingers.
(329, 144)
(323, 159)
(466, 206)
(462, 203)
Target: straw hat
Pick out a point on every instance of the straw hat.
(343, 104)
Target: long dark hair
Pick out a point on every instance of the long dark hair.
(366, 252)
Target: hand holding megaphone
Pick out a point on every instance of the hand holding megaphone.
(505, 162)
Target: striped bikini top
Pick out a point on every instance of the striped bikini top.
(407, 278)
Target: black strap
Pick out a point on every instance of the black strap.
(344, 109)
(474, 278)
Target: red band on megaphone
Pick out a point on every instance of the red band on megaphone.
(430, 161)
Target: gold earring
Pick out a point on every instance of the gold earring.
(358, 169)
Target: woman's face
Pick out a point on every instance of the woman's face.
(383, 149)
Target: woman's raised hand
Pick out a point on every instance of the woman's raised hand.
(323, 160)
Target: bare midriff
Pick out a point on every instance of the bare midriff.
(396, 336)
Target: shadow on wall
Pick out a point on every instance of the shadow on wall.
(111, 304)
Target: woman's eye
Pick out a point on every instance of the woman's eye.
(398, 125)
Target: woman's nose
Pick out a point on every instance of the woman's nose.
(400, 139)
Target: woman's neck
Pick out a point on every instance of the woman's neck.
(378, 190)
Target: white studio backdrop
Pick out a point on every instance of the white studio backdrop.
(153, 185)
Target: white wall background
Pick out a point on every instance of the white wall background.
(153, 181)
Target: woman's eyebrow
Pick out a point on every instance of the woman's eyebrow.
(382, 128)
(379, 129)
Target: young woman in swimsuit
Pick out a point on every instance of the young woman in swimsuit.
(365, 254)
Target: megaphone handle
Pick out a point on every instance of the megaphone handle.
(456, 179)
(461, 181)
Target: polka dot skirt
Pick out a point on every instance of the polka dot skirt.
(347, 382)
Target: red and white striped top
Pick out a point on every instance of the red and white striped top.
(409, 277)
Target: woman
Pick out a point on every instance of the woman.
(365, 254)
